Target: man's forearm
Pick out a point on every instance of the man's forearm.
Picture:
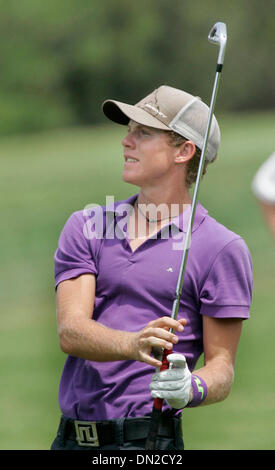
(218, 375)
(88, 339)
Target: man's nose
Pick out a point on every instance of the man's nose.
(128, 141)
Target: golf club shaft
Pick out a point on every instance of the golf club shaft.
(158, 402)
(187, 241)
(165, 365)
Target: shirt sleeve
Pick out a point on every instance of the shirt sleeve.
(227, 290)
(73, 256)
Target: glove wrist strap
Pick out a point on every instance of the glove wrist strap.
(199, 388)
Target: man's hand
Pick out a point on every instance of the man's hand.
(173, 385)
(154, 337)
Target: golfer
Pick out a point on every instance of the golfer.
(116, 270)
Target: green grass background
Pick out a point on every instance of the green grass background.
(43, 179)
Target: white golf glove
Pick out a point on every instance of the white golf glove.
(173, 385)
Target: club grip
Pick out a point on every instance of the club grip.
(158, 402)
(156, 412)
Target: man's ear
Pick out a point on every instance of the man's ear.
(185, 152)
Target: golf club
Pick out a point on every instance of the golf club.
(217, 35)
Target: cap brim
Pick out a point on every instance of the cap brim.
(121, 113)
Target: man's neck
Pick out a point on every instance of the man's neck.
(164, 196)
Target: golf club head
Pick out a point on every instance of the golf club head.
(218, 35)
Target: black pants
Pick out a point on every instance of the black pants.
(66, 439)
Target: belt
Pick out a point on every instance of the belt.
(99, 433)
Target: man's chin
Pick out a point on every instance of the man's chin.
(131, 179)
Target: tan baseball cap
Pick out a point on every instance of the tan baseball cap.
(168, 108)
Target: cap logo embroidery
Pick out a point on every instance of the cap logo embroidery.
(155, 110)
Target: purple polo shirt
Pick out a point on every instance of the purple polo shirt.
(133, 288)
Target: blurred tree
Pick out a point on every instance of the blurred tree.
(60, 60)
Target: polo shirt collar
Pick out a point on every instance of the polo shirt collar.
(181, 222)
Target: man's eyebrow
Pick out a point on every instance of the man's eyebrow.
(133, 124)
(136, 126)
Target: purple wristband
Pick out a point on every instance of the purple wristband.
(199, 391)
